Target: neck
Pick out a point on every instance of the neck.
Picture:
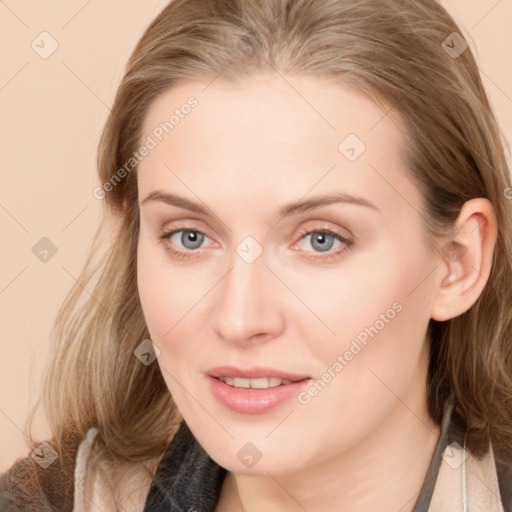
(384, 472)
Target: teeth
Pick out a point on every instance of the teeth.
(261, 383)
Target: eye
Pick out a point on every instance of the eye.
(324, 241)
(190, 240)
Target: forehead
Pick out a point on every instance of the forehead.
(269, 134)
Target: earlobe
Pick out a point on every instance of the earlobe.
(465, 260)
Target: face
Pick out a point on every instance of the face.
(331, 299)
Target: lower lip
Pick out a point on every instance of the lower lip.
(254, 401)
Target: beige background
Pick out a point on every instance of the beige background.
(52, 111)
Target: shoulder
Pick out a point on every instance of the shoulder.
(41, 481)
(68, 483)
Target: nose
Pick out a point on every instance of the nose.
(247, 306)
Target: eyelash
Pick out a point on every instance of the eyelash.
(332, 255)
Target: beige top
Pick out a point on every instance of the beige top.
(91, 496)
(463, 483)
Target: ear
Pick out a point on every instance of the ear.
(465, 260)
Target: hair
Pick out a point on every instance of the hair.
(390, 50)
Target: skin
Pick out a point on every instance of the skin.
(244, 151)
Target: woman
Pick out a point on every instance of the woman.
(306, 304)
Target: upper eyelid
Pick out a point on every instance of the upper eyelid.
(324, 225)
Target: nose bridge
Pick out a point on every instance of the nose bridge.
(246, 304)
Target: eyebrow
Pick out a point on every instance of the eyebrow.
(284, 211)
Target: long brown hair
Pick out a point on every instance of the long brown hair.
(397, 52)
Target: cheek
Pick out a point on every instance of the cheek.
(366, 292)
(165, 292)
(378, 314)
(163, 300)
(154, 300)
(377, 354)
(160, 300)
(174, 304)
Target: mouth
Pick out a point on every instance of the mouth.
(257, 377)
(261, 383)
(254, 390)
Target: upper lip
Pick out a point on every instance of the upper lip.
(254, 372)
